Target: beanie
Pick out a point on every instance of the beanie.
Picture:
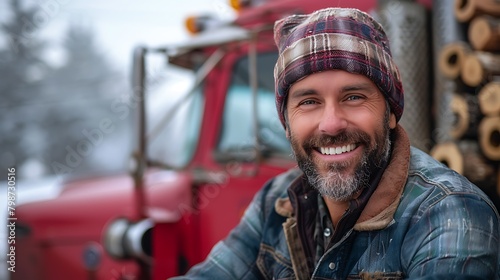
(335, 38)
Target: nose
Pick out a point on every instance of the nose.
(333, 120)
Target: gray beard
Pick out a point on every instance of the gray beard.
(334, 184)
(339, 187)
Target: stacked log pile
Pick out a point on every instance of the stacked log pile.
(471, 143)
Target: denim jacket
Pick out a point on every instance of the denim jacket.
(423, 221)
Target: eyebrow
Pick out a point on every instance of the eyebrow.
(302, 92)
(353, 87)
(359, 86)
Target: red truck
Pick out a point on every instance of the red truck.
(161, 219)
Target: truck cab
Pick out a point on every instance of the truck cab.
(191, 177)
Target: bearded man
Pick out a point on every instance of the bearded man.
(363, 203)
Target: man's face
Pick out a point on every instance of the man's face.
(338, 126)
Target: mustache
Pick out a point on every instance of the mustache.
(344, 137)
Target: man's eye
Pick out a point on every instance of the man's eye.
(354, 97)
(308, 102)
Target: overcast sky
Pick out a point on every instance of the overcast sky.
(119, 24)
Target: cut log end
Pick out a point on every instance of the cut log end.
(464, 10)
(449, 154)
(461, 116)
(489, 137)
(451, 58)
(472, 71)
(489, 99)
(480, 34)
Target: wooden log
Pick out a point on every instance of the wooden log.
(466, 114)
(479, 67)
(484, 33)
(465, 10)
(465, 158)
(451, 58)
(489, 137)
(498, 181)
(477, 168)
(449, 154)
(489, 99)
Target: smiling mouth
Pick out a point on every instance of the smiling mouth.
(337, 150)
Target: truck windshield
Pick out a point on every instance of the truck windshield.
(237, 134)
(175, 142)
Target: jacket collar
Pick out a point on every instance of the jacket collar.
(380, 209)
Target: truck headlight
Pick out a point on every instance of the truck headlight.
(124, 239)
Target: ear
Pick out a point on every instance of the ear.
(392, 121)
(287, 132)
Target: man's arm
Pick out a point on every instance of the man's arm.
(459, 236)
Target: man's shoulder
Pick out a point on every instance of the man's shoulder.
(430, 175)
(276, 191)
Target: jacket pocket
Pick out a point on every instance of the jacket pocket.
(274, 265)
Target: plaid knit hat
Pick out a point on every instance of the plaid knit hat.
(335, 38)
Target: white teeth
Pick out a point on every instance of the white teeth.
(337, 150)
